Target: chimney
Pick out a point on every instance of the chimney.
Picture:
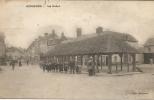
(99, 30)
(53, 34)
(53, 31)
(45, 34)
(78, 32)
(63, 37)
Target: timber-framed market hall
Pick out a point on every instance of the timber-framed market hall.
(114, 50)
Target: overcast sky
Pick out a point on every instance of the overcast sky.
(21, 25)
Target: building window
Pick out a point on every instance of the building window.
(51, 42)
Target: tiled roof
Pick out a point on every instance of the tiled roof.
(107, 42)
(149, 42)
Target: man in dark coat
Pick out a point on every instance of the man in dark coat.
(91, 67)
(44, 67)
(66, 66)
(72, 66)
(13, 64)
(56, 66)
(20, 64)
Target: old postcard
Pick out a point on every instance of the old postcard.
(76, 50)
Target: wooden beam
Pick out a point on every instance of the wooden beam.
(110, 63)
(81, 60)
(94, 64)
(97, 62)
(121, 60)
(127, 62)
(77, 59)
(116, 67)
(101, 63)
(134, 61)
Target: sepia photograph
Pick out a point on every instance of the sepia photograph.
(76, 50)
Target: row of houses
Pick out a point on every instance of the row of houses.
(15, 53)
(106, 47)
(9, 53)
(41, 45)
(148, 50)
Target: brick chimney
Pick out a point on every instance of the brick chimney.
(63, 37)
(45, 34)
(99, 30)
(78, 32)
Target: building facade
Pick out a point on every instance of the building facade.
(149, 50)
(14, 53)
(39, 48)
(2, 49)
(107, 48)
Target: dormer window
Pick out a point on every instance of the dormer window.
(51, 42)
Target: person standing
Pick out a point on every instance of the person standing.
(77, 69)
(44, 67)
(66, 66)
(72, 66)
(13, 64)
(20, 64)
(151, 61)
(56, 66)
(91, 67)
(27, 62)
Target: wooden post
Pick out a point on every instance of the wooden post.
(65, 58)
(59, 59)
(121, 63)
(77, 59)
(127, 62)
(101, 63)
(63, 61)
(56, 59)
(81, 58)
(96, 62)
(134, 61)
(110, 63)
(116, 63)
(116, 67)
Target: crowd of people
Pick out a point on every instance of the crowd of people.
(67, 67)
(59, 67)
(14, 62)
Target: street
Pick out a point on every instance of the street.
(32, 82)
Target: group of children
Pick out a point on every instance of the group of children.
(59, 67)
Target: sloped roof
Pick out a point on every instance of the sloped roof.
(149, 42)
(127, 37)
(2, 37)
(13, 49)
(108, 42)
(141, 50)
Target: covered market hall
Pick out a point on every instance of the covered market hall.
(109, 49)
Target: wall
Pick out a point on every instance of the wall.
(149, 49)
(2, 49)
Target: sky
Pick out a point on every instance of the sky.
(21, 24)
